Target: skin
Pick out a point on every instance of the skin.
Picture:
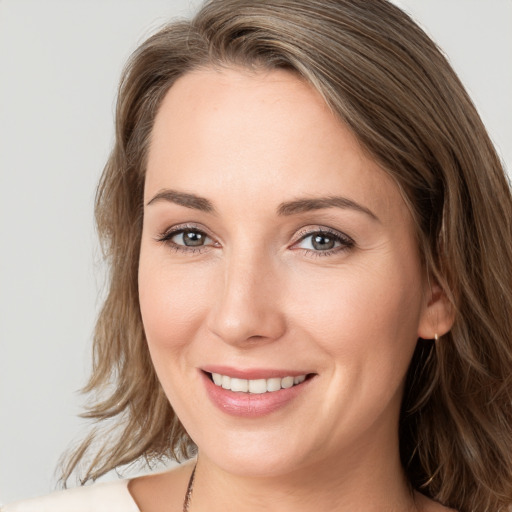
(258, 294)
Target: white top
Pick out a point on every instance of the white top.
(99, 497)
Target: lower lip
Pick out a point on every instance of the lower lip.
(251, 405)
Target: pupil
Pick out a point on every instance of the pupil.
(192, 238)
(323, 242)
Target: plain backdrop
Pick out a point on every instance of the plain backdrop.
(60, 61)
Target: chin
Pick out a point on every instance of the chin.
(255, 454)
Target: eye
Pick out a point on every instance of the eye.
(324, 242)
(190, 238)
(186, 239)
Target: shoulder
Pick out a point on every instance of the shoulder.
(99, 497)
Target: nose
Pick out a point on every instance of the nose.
(247, 303)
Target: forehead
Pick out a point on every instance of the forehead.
(259, 134)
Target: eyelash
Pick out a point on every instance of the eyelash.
(166, 238)
(346, 243)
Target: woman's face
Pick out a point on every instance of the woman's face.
(273, 248)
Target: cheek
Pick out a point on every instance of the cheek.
(364, 316)
(364, 320)
(360, 299)
(173, 302)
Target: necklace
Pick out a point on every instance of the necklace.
(190, 487)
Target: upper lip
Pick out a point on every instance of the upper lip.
(253, 373)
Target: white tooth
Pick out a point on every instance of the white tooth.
(217, 378)
(226, 382)
(258, 386)
(239, 385)
(299, 379)
(287, 382)
(274, 384)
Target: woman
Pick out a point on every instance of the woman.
(309, 234)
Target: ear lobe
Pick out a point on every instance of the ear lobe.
(438, 314)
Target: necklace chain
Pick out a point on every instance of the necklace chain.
(190, 488)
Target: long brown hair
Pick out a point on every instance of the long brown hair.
(390, 84)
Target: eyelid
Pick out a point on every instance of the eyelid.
(166, 238)
(311, 230)
(346, 242)
(176, 228)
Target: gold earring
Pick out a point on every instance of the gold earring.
(436, 337)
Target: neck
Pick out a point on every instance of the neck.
(328, 485)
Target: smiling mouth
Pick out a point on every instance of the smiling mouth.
(256, 386)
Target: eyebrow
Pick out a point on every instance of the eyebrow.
(318, 203)
(184, 199)
(285, 209)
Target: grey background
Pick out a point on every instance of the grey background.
(59, 66)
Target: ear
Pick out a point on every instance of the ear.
(438, 314)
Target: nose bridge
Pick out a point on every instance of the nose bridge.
(247, 303)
